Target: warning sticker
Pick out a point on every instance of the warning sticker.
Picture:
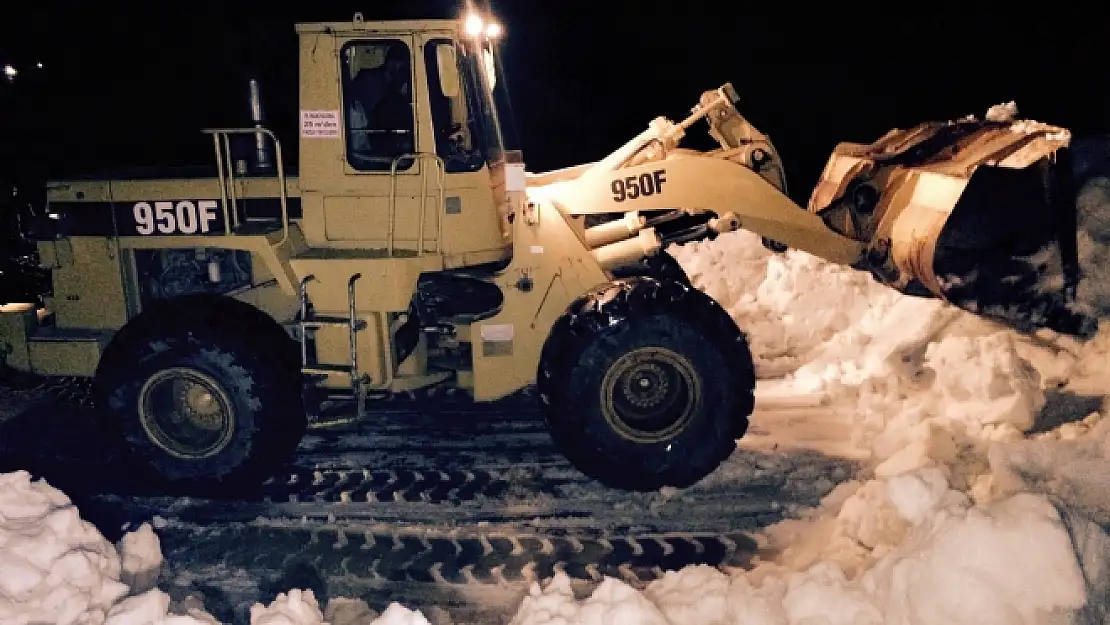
(497, 340)
(320, 124)
(516, 179)
(497, 332)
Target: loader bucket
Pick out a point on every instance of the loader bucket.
(980, 214)
(1007, 250)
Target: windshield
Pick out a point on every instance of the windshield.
(490, 99)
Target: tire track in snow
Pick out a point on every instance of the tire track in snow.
(476, 576)
(475, 558)
(344, 486)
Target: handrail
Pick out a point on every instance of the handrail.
(231, 176)
(441, 178)
(353, 330)
(223, 183)
(227, 188)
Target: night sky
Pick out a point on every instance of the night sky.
(133, 83)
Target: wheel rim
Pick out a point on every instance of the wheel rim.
(186, 412)
(649, 395)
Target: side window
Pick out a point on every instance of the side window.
(456, 130)
(377, 102)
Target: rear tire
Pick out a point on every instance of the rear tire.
(646, 383)
(203, 395)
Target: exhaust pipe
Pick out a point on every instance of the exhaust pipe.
(263, 162)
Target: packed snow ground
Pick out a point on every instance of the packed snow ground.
(968, 516)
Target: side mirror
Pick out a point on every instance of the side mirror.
(448, 65)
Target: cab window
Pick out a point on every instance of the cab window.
(378, 104)
(456, 130)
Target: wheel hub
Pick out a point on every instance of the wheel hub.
(650, 394)
(646, 386)
(200, 406)
(186, 413)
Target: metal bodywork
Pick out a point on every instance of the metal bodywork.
(358, 244)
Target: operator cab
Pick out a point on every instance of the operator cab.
(404, 139)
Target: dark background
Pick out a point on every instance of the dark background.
(133, 83)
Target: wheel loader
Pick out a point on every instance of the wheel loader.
(216, 311)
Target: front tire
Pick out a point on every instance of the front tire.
(204, 403)
(646, 383)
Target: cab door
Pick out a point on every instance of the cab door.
(378, 198)
(472, 228)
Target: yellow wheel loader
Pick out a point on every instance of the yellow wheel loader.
(217, 310)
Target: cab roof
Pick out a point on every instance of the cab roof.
(379, 26)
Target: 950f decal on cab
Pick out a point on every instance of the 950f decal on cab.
(646, 184)
(179, 217)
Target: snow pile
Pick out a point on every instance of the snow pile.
(141, 558)
(1006, 112)
(1011, 563)
(297, 607)
(1094, 243)
(612, 602)
(829, 324)
(790, 304)
(964, 389)
(875, 346)
(300, 607)
(1072, 469)
(54, 567)
(57, 568)
(153, 607)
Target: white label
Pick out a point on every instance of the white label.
(169, 218)
(320, 124)
(515, 180)
(537, 249)
(497, 333)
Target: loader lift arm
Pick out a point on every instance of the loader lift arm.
(672, 195)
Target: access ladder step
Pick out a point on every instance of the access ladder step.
(326, 369)
(340, 397)
(322, 321)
